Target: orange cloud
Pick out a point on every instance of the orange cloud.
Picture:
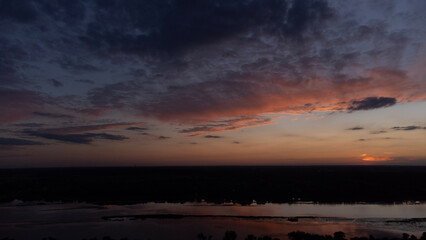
(257, 95)
(225, 125)
(252, 95)
(376, 159)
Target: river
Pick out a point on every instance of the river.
(67, 221)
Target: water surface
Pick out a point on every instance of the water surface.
(81, 220)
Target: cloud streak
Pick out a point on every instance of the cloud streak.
(225, 125)
(355, 128)
(371, 103)
(18, 142)
(137, 128)
(408, 128)
(85, 138)
(88, 128)
(52, 115)
(82, 134)
(212, 136)
(55, 83)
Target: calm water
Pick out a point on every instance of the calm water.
(80, 220)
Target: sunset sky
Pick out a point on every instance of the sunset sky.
(212, 82)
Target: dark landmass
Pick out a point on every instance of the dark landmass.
(322, 184)
(341, 236)
(232, 235)
(291, 219)
(180, 216)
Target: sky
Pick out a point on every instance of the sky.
(212, 82)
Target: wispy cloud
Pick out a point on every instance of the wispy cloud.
(137, 128)
(408, 128)
(88, 128)
(55, 82)
(212, 136)
(29, 125)
(378, 132)
(371, 103)
(18, 142)
(85, 138)
(82, 134)
(227, 125)
(52, 115)
(163, 138)
(355, 128)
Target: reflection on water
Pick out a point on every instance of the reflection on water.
(285, 210)
(79, 220)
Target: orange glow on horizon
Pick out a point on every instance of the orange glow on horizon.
(376, 159)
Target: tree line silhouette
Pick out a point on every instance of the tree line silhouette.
(323, 184)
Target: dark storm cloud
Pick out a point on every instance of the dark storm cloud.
(52, 115)
(371, 103)
(140, 27)
(85, 138)
(212, 136)
(163, 138)
(408, 128)
(55, 82)
(17, 142)
(355, 128)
